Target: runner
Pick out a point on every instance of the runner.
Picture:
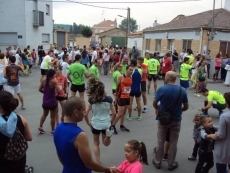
(135, 90)
(124, 82)
(77, 72)
(124, 64)
(63, 95)
(49, 103)
(184, 73)
(94, 69)
(153, 70)
(11, 74)
(46, 63)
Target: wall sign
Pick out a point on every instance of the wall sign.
(19, 36)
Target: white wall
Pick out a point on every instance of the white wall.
(12, 18)
(34, 34)
(133, 40)
(225, 36)
(174, 35)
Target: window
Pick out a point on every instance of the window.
(147, 44)
(170, 45)
(47, 10)
(197, 33)
(111, 24)
(101, 30)
(38, 18)
(187, 44)
(225, 47)
(46, 38)
(158, 45)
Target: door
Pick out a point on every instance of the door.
(60, 39)
(118, 40)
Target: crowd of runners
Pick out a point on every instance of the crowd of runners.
(63, 75)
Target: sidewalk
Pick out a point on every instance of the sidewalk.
(212, 81)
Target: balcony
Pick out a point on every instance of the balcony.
(38, 18)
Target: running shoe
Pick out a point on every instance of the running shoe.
(145, 110)
(23, 108)
(40, 130)
(165, 157)
(139, 118)
(124, 129)
(197, 95)
(109, 133)
(114, 130)
(129, 118)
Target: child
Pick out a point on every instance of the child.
(135, 153)
(196, 136)
(184, 73)
(30, 62)
(206, 145)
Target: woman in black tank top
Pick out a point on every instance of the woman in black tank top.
(7, 105)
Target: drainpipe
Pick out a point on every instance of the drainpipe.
(201, 39)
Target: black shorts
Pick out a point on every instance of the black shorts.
(163, 75)
(152, 77)
(30, 66)
(51, 108)
(97, 132)
(58, 98)
(1, 87)
(79, 88)
(217, 68)
(44, 72)
(123, 102)
(114, 91)
(143, 86)
(135, 94)
(201, 80)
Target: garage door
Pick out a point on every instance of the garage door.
(118, 40)
(60, 39)
(7, 38)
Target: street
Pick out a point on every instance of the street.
(42, 155)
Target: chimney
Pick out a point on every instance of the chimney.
(227, 5)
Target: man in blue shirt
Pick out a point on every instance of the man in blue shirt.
(167, 95)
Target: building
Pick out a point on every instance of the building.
(60, 37)
(135, 39)
(113, 37)
(192, 32)
(26, 23)
(102, 27)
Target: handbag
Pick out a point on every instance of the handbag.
(165, 116)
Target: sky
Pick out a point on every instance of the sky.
(145, 14)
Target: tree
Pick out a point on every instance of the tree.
(71, 29)
(133, 25)
(86, 31)
(74, 28)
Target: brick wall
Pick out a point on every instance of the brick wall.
(152, 45)
(205, 40)
(195, 46)
(164, 44)
(214, 46)
(178, 44)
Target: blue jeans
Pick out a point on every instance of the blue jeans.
(221, 168)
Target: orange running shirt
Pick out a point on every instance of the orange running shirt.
(125, 87)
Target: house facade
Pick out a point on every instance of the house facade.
(113, 37)
(135, 39)
(102, 27)
(191, 32)
(26, 23)
(60, 37)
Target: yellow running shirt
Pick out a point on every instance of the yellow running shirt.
(146, 61)
(184, 70)
(153, 64)
(215, 96)
(191, 59)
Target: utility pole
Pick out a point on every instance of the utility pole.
(213, 20)
(128, 25)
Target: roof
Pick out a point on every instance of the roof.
(60, 30)
(111, 31)
(135, 33)
(106, 23)
(204, 19)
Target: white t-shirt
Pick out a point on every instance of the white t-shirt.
(77, 52)
(94, 56)
(46, 62)
(65, 67)
(17, 59)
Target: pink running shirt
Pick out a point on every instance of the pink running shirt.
(126, 167)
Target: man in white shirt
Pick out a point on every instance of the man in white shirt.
(65, 65)
(94, 55)
(182, 55)
(46, 63)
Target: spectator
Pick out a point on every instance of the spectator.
(208, 58)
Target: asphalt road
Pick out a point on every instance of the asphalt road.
(42, 154)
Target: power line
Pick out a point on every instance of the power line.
(101, 6)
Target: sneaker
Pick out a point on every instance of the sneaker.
(23, 108)
(139, 118)
(109, 133)
(157, 165)
(135, 109)
(172, 167)
(129, 118)
(165, 157)
(114, 130)
(191, 158)
(40, 130)
(52, 133)
(197, 95)
(145, 110)
(124, 129)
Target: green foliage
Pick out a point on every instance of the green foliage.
(133, 25)
(86, 31)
